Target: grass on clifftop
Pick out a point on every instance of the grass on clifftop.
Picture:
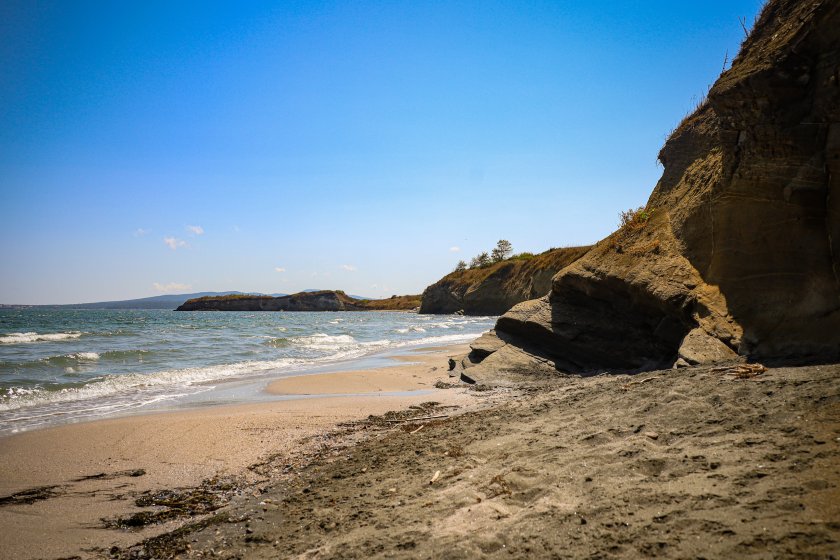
(231, 297)
(554, 258)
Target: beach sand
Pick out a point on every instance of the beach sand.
(93, 467)
(683, 463)
(691, 463)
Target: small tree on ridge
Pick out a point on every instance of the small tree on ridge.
(502, 251)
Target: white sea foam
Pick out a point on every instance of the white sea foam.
(410, 329)
(447, 325)
(131, 384)
(22, 338)
(321, 340)
(85, 356)
(441, 339)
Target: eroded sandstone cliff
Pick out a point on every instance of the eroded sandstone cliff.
(494, 289)
(739, 251)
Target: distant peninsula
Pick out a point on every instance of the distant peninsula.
(166, 301)
(323, 300)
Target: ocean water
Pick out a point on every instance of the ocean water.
(60, 366)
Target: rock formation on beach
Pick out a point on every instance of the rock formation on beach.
(737, 252)
(324, 300)
(493, 289)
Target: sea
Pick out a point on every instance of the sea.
(61, 366)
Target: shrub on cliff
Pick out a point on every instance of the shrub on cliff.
(633, 219)
(502, 251)
(480, 260)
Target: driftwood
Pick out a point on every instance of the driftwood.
(639, 382)
(741, 371)
(418, 419)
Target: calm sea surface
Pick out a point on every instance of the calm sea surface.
(59, 366)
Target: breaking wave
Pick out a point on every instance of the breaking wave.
(23, 338)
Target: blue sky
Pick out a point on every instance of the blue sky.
(156, 147)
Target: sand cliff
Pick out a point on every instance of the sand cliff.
(736, 253)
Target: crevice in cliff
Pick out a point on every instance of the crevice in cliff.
(832, 251)
(832, 150)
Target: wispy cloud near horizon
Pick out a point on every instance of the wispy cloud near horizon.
(348, 267)
(170, 287)
(140, 232)
(195, 230)
(174, 243)
(279, 269)
(455, 249)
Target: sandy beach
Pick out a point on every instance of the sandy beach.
(96, 470)
(692, 463)
(696, 462)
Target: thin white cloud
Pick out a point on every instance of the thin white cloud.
(174, 243)
(279, 269)
(348, 267)
(140, 232)
(455, 249)
(171, 287)
(195, 230)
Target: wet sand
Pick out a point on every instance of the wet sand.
(417, 370)
(97, 470)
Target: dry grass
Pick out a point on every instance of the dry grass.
(523, 263)
(634, 219)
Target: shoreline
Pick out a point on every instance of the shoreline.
(181, 387)
(90, 469)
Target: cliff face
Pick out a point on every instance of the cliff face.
(496, 288)
(739, 252)
(326, 300)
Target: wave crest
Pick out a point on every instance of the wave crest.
(23, 338)
(324, 341)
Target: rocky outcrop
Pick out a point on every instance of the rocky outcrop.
(738, 251)
(494, 289)
(325, 300)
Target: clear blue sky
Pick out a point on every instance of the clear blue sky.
(367, 146)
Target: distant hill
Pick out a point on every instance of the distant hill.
(321, 300)
(168, 301)
(309, 290)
